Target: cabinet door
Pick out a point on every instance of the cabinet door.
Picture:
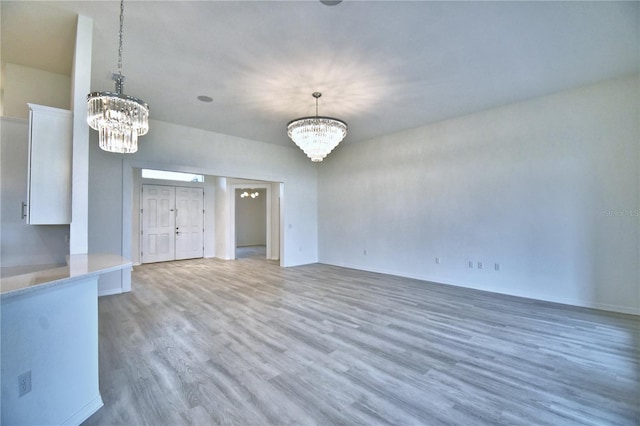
(49, 180)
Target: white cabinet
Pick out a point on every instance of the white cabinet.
(49, 180)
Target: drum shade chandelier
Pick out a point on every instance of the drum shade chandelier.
(118, 118)
(317, 136)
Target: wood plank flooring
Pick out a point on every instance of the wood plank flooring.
(251, 252)
(246, 342)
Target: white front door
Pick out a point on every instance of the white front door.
(158, 223)
(172, 223)
(189, 222)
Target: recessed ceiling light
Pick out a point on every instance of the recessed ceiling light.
(204, 98)
(330, 2)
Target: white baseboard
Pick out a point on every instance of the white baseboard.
(110, 292)
(437, 280)
(85, 412)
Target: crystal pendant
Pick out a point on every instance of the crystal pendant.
(119, 120)
(317, 136)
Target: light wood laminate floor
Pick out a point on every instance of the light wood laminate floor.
(251, 252)
(246, 342)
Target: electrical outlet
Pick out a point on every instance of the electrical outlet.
(497, 266)
(480, 265)
(471, 264)
(364, 252)
(24, 383)
(437, 260)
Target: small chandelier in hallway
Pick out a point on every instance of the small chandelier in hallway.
(317, 136)
(245, 194)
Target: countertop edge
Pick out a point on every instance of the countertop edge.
(112, 263)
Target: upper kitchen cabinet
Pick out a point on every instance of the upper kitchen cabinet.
(49, 170)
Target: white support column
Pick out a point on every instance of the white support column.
(81, 86)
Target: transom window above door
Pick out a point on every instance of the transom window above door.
(168, 175)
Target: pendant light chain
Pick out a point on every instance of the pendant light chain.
(317, 96)
(119, 78)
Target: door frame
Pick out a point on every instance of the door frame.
(231, 235)
(128, 188)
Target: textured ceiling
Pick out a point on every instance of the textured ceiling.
(382, 66)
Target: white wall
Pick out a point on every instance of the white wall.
(53, 334)
(276, 220)
(105, 210)
(22, 244)
(547, 188)
(209, 216)
(222, 219)
(36, 245)
(22, 84)
(173, 147)
(251, 219)
(81, 86)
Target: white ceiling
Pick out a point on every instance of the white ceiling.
(382, 66)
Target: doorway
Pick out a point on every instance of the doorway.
(172, 223)
(272, 218)
(251, 223)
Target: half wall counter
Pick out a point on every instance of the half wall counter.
(49, 341)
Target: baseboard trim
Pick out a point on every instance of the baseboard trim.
(110, 292)
(438, 280)
(85, 412)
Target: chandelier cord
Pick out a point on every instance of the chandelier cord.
(317, 96)
(119, 78)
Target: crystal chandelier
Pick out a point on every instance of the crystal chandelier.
(118, 118)
(317, 136)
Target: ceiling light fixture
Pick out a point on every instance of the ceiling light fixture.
(118, 118)
(317, 136)
(252, 195)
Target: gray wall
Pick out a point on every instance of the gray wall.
(547, 188)
(251, 219)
